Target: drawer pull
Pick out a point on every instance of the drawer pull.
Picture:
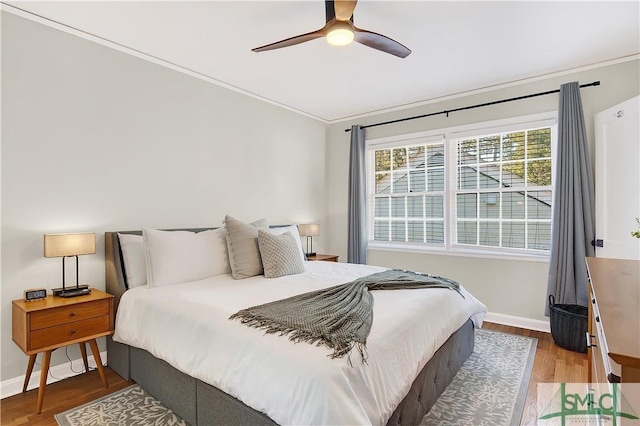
(589, 344)
(73, 314)
(73, 331)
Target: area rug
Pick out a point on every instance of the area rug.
(490, 389)
(131, 406)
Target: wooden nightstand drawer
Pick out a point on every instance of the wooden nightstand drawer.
(70, 331)
(68, 314)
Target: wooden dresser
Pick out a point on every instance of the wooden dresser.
(614, 320)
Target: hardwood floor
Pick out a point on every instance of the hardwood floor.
(551, 364)
(60, 396)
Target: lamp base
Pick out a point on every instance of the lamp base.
(69, 290)
(310, 254)
(73, 292)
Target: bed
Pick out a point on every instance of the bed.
(239, 375)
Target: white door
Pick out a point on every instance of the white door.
(617, 177)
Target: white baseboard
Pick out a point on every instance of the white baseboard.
(520, 322)
(58, 372)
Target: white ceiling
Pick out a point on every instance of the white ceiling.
(457, 46)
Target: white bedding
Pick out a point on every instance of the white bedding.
(187, 325)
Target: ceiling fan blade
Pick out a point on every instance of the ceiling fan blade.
(380, 42)
(344, 9)
(291, 41)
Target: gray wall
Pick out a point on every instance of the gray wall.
(97, 140)
(506, 286)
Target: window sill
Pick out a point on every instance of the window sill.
(457, 252)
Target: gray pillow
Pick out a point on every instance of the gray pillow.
(280, 254)
(242, 245)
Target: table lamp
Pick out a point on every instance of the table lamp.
(70, 245)
(309, 231)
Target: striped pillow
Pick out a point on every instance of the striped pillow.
(242, 245)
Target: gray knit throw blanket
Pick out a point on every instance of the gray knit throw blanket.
(338, 317)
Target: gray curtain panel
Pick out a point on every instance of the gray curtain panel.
(573, 226)
(357, 236)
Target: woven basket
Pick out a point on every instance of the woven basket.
(568, 325)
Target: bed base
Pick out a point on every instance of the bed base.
(199, 403)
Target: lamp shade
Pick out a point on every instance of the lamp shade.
(60, 245)
(309, 230)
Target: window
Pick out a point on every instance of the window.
(409, 193)
(487, 189)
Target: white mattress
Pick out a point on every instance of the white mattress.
(187, 325)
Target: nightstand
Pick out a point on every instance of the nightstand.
(323, 257)
(54, 322)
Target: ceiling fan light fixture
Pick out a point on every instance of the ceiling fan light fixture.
(340, 31)
(340, 34)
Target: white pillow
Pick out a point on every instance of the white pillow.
(135, 269)
(174, 257)
(296, 235)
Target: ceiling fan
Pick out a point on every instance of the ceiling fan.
(340, 30)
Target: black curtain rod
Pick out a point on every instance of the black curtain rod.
(595, 83)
